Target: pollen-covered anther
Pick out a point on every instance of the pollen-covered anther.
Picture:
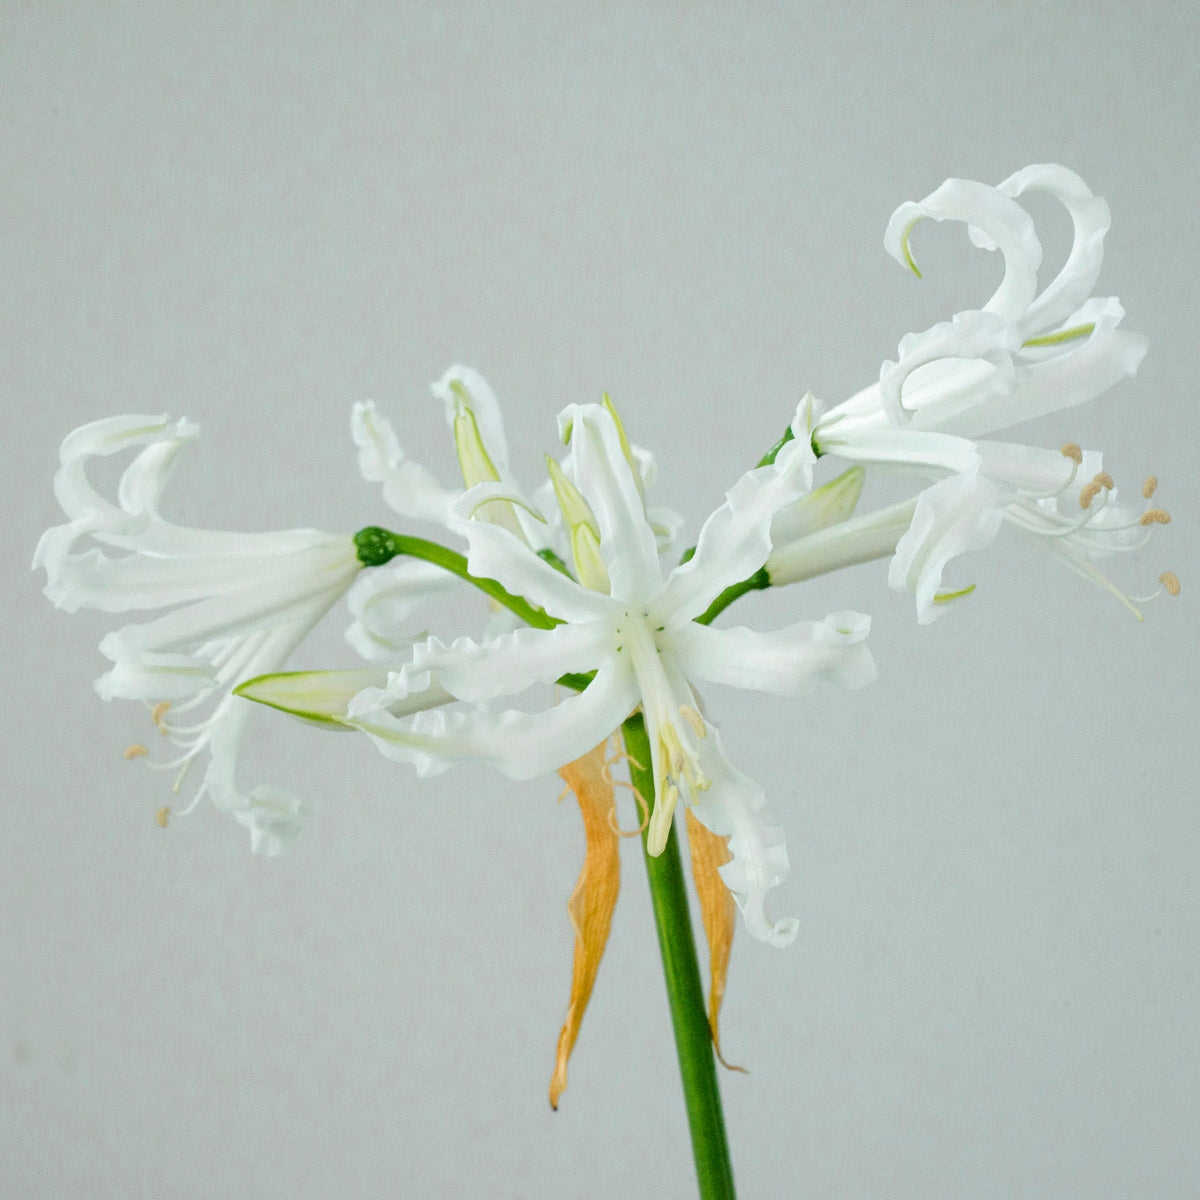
(1104, 479)
(1088, 493)
(1170, 581)
(1155, 516)
(162, 817)
(157, 713)
(1072, 451)
(137, 750)
(692, 716)
(1150, 486)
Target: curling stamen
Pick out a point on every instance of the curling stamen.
(642, 805)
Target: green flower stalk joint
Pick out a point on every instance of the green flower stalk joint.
(586, 589)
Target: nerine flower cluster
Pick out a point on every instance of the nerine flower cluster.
(585, 584)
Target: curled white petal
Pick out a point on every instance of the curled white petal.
(734, 806)
(1006, 224)
(512, 662)
(408, 488)
(786, 662)
(736, 540)
(960, 513)
(979, 336)
(385, 603)
(519, 744)
(1090, 221)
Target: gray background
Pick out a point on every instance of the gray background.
(254, 215)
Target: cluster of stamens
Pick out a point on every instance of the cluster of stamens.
(620, 755)
(683, 770)
(193, 738)
(1086, 530)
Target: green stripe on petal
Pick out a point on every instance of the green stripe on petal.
(1063, 335)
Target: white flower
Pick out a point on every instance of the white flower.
(240, 603)
(1024, 354)
(643, 642)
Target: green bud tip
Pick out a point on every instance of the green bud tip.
(375, 546)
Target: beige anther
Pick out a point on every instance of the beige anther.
(136, 750)
(1072, 451)
(1170, 581)
(1088, 494)
(1104, 479)
(1150, 486)
(1155, 516)
(162, 816)
(157, 714)
(694, 719)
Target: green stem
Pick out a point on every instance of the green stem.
(685, 995)
(770, 456)
(376, 546)
(756, 582)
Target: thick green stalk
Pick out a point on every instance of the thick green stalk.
(685, 995)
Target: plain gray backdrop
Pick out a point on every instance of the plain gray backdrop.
(254, 215)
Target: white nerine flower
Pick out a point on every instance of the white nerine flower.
(1024, 354)
(643, 642)
(241, 602)
(386, 603)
